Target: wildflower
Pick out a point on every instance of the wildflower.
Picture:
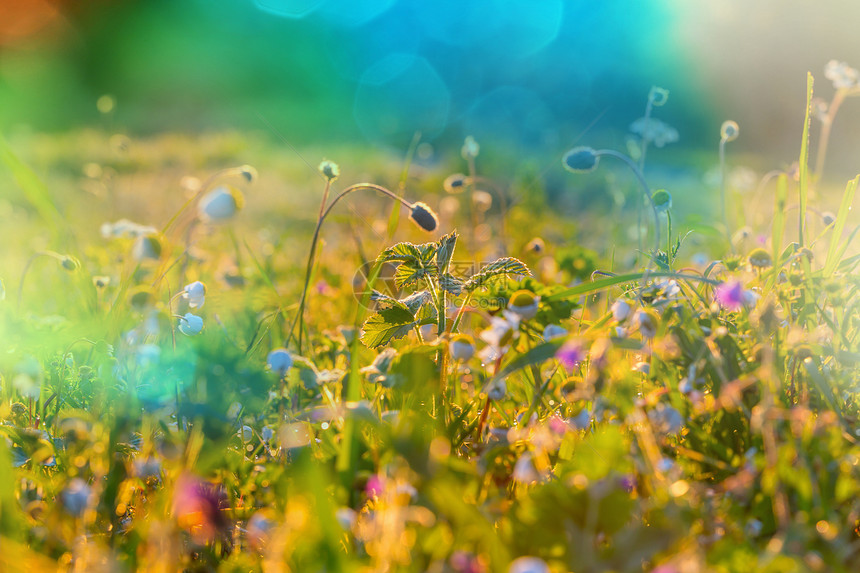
(582, 421)
(580, 160)
(70, 263)
(455, 183)
(198, 508)
(76, 496)
(259, 529)
(620, 310)
(190, 324)
(655, 131)
(267, 433)
(571, 353)
(647, 321)
(666, 419)
(553, 331)
(730, 295)
(642, 367)
(482, 201)
(841, 74)
(524, 304)
(497, 390)
(729, 131)
(194, 293)
(220, 204)
(146, 247)
(126, 229)
(524, 470)
(101, 281)
(329, 169)
(759, 258)
(662, 200)
(246, 433)
(470, 148)
(499, 335)
(658, 96)
(423, 216)
(279, 361)
(528, 565)
(462, 347)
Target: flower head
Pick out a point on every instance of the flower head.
(841, 74)
(662, 200)
(730, 295)
(279, 361)
(528, 565)
(462, 347)
(76, 496)
(220, 204)
(524, 303)
(455, 183)
(571, 353)
(620, 310)
(195, 294)
(190, 324)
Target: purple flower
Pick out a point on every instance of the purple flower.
(730, 295)
(375, 486)
(571, 353)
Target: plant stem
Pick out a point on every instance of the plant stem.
(324, 212)
(724, 208)
(643, 184)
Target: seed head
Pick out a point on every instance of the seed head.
(248, 173)
(424, 217)
(580, 160)
(462, 347)
(658, 96)
(524, 303)
(70, 263)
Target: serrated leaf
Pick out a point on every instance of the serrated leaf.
(445, 251)
(386, 325)
(408, 274)
(499, 267)
(408, 253)
(451, 284)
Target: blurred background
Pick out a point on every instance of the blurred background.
(532, 77)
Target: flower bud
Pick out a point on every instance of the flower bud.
(190, 324)
(580, 160)
(462, 347)
(662, 200)
(455, 183)
(329, 169)
(760, 258)
(470, 148)
(220, 204)
(195, 294)
(524, 303)
(424, 217)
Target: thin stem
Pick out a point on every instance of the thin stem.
(324, 212)
(826, 127)
(645, 189)
(724, 209)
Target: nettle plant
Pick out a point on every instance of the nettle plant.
(424, 270)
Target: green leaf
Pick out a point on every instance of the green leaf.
(386, 325)
(408, 253)
(499, 267)
(538, 354)
(839, 226)
(804, 160)
(444, 252)
(451, 284)
(408, 274)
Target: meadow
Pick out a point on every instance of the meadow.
(218, 356)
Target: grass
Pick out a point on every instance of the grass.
(694, 431)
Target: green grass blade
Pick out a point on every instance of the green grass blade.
(847, 199)
(602, 284)
(34, 189)
(804, 161)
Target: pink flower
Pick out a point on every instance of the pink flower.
(730, 295)
(571, 353)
